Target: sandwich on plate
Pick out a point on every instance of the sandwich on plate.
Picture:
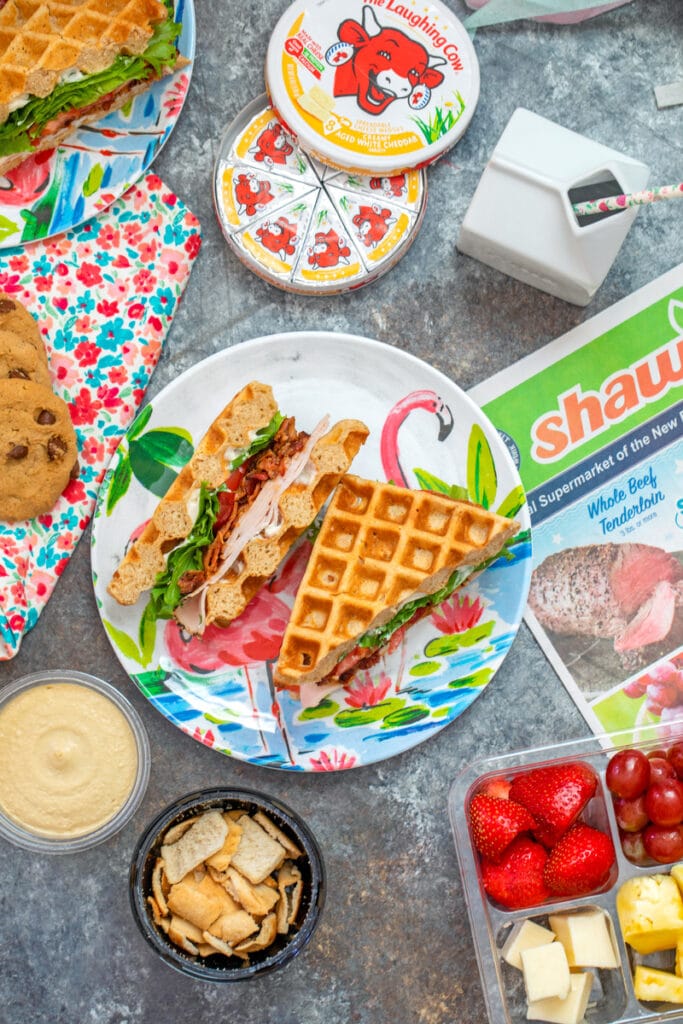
(64, 63)
(253, 485)
(384, 557)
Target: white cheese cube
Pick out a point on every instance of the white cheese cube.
(525, 935)
(570, 1010)
(546, 972)
(586, 938)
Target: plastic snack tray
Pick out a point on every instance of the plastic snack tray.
(612, 999)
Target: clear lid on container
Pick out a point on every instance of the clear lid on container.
(373, 87)
(301, 225)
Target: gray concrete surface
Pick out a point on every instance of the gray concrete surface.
(394, 945)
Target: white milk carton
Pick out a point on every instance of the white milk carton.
(521, 221)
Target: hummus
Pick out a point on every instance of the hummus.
(68, 759)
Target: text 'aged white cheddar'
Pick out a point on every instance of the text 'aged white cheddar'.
(546, 972)
(586, 938)
(526, 935)
(570, 1010)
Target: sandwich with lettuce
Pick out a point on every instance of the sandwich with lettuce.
(254, 484)
(384, 558)
(65, 63)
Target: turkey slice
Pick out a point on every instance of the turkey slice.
(262, 514)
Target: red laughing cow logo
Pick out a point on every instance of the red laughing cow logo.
(378, 65)
(328, 250)
(394, 186)
(251, 193)
(273, 146)
(278, 237)
(372, 223)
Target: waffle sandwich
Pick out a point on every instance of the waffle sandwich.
(64, 63)
(384, 557)
(253, 485)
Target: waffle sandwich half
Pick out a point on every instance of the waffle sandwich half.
(64, 63)
(253, 485)
(384, 557)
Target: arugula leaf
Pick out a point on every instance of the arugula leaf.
(379, 637)
(262, 440)
(165, 595)
(27, 122)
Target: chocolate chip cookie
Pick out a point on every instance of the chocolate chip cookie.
(38, 452)
(21, 360)
(16, 318)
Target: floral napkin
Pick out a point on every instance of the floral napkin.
(104, 295)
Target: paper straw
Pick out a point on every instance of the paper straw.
(648, 195)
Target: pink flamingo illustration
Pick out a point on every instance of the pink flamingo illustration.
(389, 448)
(254, 638)
(24, 184)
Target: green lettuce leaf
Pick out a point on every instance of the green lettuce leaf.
(262, 440)
(165, 595)
(380, 636)
(24, 125)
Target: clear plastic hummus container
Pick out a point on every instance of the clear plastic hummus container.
(613, 998)
(74, 761)
(373, 88)
(302, 226)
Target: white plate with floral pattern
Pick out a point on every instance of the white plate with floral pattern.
(424, 432)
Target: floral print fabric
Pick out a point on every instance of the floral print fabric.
(104, 295)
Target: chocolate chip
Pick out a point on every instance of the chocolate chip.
(75, 471)
(6, 305)
(18, 374)
(46, 418)
(18, 451)
(56, 448)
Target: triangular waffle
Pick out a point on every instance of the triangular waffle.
(42, 40)
(379, 546)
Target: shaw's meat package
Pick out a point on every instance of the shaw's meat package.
(594, 421)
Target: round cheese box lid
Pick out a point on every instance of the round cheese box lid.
(301, 225)
(375, 86)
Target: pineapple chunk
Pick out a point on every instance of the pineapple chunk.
(650, 911)
(546, 972)
(526, 935)
(679, 957)
(570, 1010)
(653, 985)
(677, 874)
(586, 938)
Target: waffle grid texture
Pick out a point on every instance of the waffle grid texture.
(41, 41)
(379, 547)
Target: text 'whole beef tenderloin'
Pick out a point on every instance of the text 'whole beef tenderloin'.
(629, 593)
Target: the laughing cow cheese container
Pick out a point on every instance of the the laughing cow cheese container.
(376, 86)
(301, 225)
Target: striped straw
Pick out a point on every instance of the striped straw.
(649, 195)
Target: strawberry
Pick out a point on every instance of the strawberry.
(580, 862)
(517, 880)
(555, 795)
(495, 823)
(497, 785)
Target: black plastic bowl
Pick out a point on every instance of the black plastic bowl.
(218, 968)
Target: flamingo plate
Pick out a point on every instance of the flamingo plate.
(59, 189)
(424, 432)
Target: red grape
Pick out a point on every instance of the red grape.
(675, 757)
(656, 753)
(628, 773)
(631, 814)
(661, 673)
(633, 847)
(661, 769)
(664, 802)
(665, 695)
(663, 843)
(636, 688)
